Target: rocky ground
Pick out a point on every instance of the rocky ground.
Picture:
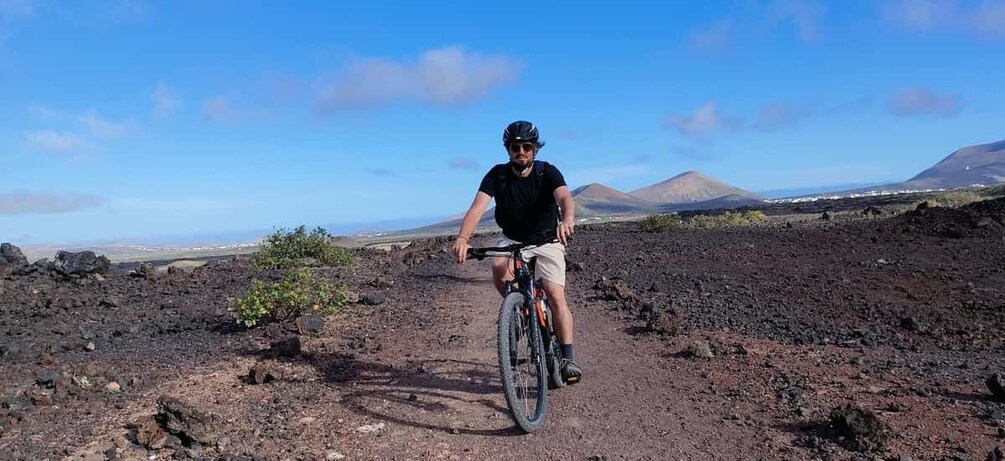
(865, 335)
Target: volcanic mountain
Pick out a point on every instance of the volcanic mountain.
(596, 199)
(980, 164)
(692, 187)
(688, 191)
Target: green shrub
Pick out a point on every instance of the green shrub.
(285, 249)
(957, 198)
(299, 292)
(727, 219)
(661, 222)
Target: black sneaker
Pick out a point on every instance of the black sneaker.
(571, 373)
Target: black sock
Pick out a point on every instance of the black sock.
(567, 351)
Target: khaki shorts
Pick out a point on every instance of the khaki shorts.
(550, 259)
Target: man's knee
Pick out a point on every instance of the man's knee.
(555, 291)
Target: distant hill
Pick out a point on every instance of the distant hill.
(726, 201)
(980, 164)
(690, 187)
(597, 199)
(688, 191)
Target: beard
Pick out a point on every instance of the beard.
(522, 164)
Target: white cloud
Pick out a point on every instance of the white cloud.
(705, 119)
(43, 112)
(165, 101)
(220, 109)
(712, 38)
(55, 141)
(921, 15)
(101, 127)
(779, 114)
(751, 22)
(26, 203)
(922, 101)
(984, 19)
(989, 20)
(76, 132)
(216, 109)
(805, 14)
(444, 76)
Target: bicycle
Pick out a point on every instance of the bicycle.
(525, 304)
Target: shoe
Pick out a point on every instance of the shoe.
(571, 373)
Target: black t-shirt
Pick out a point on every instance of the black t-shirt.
(525, 207)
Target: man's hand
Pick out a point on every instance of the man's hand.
(461, 250)
(564, 231)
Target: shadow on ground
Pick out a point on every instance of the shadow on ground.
(419, 394)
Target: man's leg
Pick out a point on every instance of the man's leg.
(560, 308)
(501, 272)
(571, 372)
(551, 268)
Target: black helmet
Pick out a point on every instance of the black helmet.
(521, 131)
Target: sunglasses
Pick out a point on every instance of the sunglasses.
(516, 147)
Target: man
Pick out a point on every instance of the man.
(528, 196)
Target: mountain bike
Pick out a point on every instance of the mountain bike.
(529, 351)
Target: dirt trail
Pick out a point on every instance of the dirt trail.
(444, 400)
(776, 330)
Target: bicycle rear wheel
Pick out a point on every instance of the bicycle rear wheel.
(522, 364)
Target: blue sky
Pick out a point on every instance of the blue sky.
(129, 119)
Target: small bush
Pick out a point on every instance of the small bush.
(958, 198)
(285, 249)
(661, 222)
(727, 219)
(299, 292)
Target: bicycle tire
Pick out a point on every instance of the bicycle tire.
(510, 317)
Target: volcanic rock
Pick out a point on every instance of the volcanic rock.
(80, 263)
(309, 324)
(10, 254)
(189, 424)
(861, 429)
(287, 347)
(264, 372)
(372, 299)
(995, 385)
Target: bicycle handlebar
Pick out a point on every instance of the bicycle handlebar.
(482, 253)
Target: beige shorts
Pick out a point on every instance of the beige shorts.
(550, 259)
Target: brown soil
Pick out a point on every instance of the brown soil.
(858, 337)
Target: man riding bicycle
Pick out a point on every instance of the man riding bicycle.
(528, 195)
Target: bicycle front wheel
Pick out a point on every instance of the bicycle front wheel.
(522, 364)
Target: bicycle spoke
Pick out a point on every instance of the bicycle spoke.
(522, 362)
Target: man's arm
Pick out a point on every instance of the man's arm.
(469, 223)
(568, 206)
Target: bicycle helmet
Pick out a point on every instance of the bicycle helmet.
(521, 131)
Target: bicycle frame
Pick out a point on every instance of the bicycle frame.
(544, 348)
(523, 278)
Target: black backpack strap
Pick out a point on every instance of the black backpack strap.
(539, 166)
(501, 174)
